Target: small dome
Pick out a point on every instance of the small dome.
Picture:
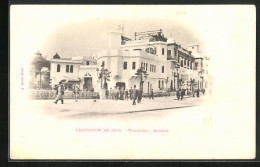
(56, 56)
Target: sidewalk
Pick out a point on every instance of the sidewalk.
(92, 106)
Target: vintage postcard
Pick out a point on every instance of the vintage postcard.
(135, 82)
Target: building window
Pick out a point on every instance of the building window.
(181, 63)
(103, 63)
(159, 84)
(133, 65)
(169, 53)
(191, 65)
(162, 51)
(87, 63)
(67, 68)
(155, 68)
(146, 66)
(125, 65)
(185, 62)
(58, 68)
(141, 64)
(71, 69)
(162, 69)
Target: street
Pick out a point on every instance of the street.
(89, 108)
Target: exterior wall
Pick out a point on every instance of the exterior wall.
(114, 62)
(63, 74)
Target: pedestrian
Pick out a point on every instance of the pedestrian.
(59, 93)
(126, 94)
(122, 92)
(76, 91)
(110, 93)
(134, 95)
(106, 93)
(139, 95)
(198, 93)
(194, 91)
(151, 94)
(178, 94)
(182, 93)
(203, 91)
(131, 93)
(117, 93)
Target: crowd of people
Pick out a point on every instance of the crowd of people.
(133, 94)
(125, 94)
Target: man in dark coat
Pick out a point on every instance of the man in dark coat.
(178, 94)
(151, 94)
(198, 93)
(134, 95)
(139, 95)
(126, 94)
(182, 93)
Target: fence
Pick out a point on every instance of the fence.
(51, 94)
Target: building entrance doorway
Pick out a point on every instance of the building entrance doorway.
(88, 86)
(120, 85)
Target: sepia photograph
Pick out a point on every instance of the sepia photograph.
(132, 82)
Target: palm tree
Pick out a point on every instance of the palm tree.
(38, 62)
(104, 75)
(142, 73)
(192, 82)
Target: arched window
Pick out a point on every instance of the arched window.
(159, 84)
(67, 68)
(58, 68)
(71, 68)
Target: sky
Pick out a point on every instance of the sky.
(82, 30)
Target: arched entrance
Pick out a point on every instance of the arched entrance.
(120, 85)
(88, 86)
